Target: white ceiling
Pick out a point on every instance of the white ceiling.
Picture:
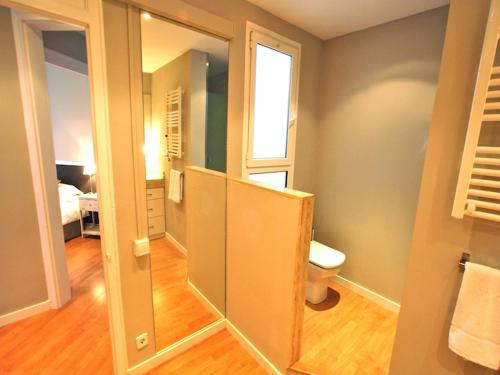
(330, 18)
(163, 41)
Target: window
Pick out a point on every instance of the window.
(276, 179)
(272, 86)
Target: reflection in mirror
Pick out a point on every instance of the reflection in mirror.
(185, 121)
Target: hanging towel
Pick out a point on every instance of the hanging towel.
(475, 327)
(175, 186)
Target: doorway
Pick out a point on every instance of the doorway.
(64, 322)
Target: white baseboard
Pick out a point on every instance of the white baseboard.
(384, 302)
(177, 348)
(252, 350)
(24, 313)
(176, 243)
(204, 300)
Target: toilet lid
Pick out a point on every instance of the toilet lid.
(324, 256)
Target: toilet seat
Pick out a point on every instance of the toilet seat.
(325, 257)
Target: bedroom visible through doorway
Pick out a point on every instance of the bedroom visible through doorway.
(67, 320)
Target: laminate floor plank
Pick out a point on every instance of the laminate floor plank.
(347, 334)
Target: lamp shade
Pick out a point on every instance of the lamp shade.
(89, 168)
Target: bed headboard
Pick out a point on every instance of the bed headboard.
(73, 175)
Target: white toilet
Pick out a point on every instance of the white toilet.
(324, 263)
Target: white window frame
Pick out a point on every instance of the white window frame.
(258, 35)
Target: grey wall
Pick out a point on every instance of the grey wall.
(69, 99)
(20, 248)
(433, 279)
(377, 94)
(69, 43)
(216, 140)
(189, 72)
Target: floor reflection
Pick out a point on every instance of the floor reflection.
(177, 311)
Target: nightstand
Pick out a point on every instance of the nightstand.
(89, 203)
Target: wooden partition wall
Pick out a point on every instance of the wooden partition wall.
(268, 239)
(205, 194)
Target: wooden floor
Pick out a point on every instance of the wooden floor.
(347, 334)
(71, 340)
(219, 354)
(177, 311)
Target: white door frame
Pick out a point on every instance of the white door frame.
(88, 14)
(58, 288)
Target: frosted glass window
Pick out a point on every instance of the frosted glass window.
(273, 72)
(276, 179)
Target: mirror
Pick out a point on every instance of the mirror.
(185, 122)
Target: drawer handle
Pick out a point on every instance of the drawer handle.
(150, 209)
(150, 194)
(151, 226)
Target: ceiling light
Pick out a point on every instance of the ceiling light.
(146, 16)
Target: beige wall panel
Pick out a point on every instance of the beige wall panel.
(433, 278)
(20, 247)
(377, 94)
(268, 234)
(134, 272)
(206, 233)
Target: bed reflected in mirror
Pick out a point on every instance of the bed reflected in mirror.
(185, 121)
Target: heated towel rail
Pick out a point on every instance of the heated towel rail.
(173, 123)
(478, 188)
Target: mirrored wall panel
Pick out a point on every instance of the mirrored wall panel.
(185, 120)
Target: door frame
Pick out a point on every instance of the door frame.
(51, 236)
(88, 14)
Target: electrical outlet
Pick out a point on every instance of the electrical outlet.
(141, 341)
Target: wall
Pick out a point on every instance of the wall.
(216, 141)
(70, 114)
(69, 43)
(189, 72)
(377, 93)
(135, 275)
(20, 247)
(239, 11)
(198, 108)
(205, 193)
(266, 275)
(433, 279)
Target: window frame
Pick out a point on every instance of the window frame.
(259, 35)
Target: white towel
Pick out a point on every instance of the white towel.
(175, 186)
(475, 328)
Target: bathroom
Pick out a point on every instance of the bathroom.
(361, 155)
(362, 159)
(276, 197)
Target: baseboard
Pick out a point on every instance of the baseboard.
(252, 350)
(177, 348)
(176, 243)
(204, 300)
(297, 371)
(24, 313)
(382, 301)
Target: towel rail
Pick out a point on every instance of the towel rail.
(478, 188)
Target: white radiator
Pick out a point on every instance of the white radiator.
(173, 123)
(478, 189)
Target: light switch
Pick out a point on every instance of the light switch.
(141, 247)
